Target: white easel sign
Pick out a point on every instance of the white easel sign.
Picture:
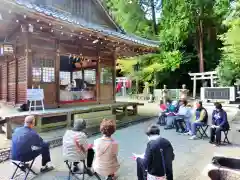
(34, 95)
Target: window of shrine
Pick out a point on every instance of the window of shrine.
(43, 70)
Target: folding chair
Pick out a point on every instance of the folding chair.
(71, 173)
(226, 137)
(24, 167)
(202, 130)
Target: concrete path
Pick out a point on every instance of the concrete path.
(191, 156)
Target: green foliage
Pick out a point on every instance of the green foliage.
(130, 16)
(179, 35)
(229, 67)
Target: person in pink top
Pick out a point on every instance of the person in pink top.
(106, 150)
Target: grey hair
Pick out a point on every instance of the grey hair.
(79, 124)
(29, 120)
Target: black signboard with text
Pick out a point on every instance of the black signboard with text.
(217, 93)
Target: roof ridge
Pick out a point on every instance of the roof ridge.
(106, 10)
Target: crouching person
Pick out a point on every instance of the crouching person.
(106, 150)
(27, 145)
(75, 147)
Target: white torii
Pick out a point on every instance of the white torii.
(212, 75)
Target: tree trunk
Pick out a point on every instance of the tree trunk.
(201, 59)
(154, 17)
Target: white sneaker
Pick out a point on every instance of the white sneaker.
(193, 137)
(188, 133)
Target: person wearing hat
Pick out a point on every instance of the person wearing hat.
(76, 148)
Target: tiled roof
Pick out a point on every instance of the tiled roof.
(64, 16)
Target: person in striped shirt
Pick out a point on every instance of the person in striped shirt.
(76, 148)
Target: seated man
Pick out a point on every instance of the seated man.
(219, 123)
(183, 114)
(158, 157)
(75, 146)
(27, 145)
(200, 118)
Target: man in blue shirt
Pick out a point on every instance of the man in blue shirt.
(27, 145)
(219, 123)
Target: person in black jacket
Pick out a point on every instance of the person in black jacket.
(219, 124)
(158, 157)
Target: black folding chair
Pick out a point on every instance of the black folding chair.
(226, 137)
(71, 173)
(24, 167)
(202, 130)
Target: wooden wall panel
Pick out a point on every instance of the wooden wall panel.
(4, 82)
(106, 93)
(12, 82)
(22, 80)
(1, 82)
(50, 96)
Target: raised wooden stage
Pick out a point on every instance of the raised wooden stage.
(63, 117)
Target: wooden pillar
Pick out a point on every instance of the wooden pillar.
(7, 72)
(28, 54)
(114, 75)
(8, 128)
(194, 86)
(98, 75)
(57, 72)
(98, 79)
(16, 74)
(69, 119)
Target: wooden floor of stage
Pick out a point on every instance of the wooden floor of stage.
(13, 112)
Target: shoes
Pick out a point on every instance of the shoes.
(23, 167)
(166, 128)
(75, 169)
(188, 133)
(46, 169)
(193, 137)
(89, 172)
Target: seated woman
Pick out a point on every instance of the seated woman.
(183, 115)
(200, 118)
(170, 113)
(189, 118)
(219, 123)
(162, 115)
(106, 149)
(75, 146)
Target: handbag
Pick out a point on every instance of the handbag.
(163, 163)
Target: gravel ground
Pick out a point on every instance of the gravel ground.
(191, 156)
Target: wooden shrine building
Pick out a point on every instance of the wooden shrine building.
(68, 48)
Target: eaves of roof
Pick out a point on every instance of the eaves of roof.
(68, 18)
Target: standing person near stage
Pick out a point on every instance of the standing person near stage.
(157, 161)
(219, 124)
(27, 145)
(75, 146)
(106, 150)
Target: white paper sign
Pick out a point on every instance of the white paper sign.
(35, 94)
